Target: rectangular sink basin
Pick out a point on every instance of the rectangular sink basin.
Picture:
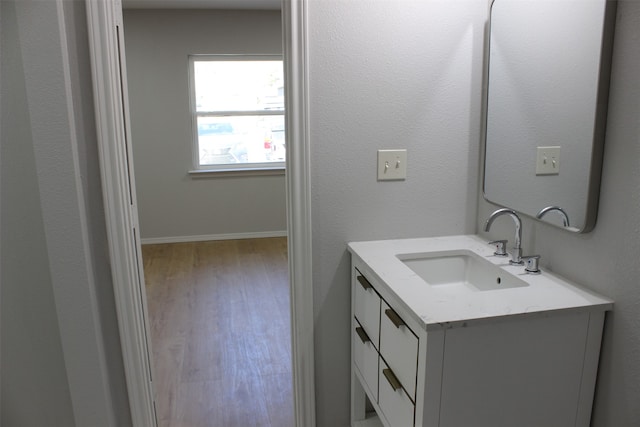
(460, 269)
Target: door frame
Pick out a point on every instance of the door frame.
(108, 66)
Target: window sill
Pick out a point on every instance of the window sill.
(224, 173)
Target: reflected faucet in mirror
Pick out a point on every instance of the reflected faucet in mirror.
(516, 253)
(563, 214)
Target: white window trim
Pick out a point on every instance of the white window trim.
(237, 169)
(254, 171)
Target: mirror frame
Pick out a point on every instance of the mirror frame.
(600, 121)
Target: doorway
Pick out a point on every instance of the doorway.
(215, 345)
(105, 21)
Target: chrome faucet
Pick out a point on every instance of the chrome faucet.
(565, 217)
(516, 254)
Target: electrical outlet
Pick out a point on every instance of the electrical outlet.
(392, 165)
(548, 160)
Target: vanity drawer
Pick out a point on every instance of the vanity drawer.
(365, 359)
(366, 307)
(399, 348)
(396, 405)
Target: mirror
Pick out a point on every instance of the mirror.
(548, 81)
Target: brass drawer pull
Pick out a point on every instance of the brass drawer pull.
(393, 381)
(364, 282)
(362, 334)
(393, 316)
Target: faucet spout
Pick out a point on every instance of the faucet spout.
(563, 214)
(516, 255)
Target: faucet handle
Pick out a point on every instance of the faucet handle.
(531, 264)
(501, 247)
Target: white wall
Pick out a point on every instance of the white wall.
(170, 203)
(61, 362)
(386, 74)
(606, 260)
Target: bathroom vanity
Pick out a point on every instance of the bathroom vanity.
(445, 333)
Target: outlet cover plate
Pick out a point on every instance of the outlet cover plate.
(548, 160)
(392, 165)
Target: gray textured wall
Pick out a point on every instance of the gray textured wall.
(170, 202)
(34, 388)
(386, 74)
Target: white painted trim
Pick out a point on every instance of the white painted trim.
(103, 17)
(230, 172)
(294, 19)
(84, 408)
(208, 237)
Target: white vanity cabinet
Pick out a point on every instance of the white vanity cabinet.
(385, 360)
(525, 370)
(366, 327)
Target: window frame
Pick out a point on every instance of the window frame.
(254, 168)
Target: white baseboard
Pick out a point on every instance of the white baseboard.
(205, 237)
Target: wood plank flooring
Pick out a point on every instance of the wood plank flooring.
(220, 332)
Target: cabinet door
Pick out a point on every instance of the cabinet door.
(524, 372)
(397, 407)
(366, 307)
(399, 348)
(365, 360)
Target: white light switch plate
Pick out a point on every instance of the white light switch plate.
(548, 160)
(392, 165)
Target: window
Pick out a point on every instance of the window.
(237, 106)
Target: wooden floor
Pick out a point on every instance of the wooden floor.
(220, 331)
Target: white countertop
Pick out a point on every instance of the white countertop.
(437, 306)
